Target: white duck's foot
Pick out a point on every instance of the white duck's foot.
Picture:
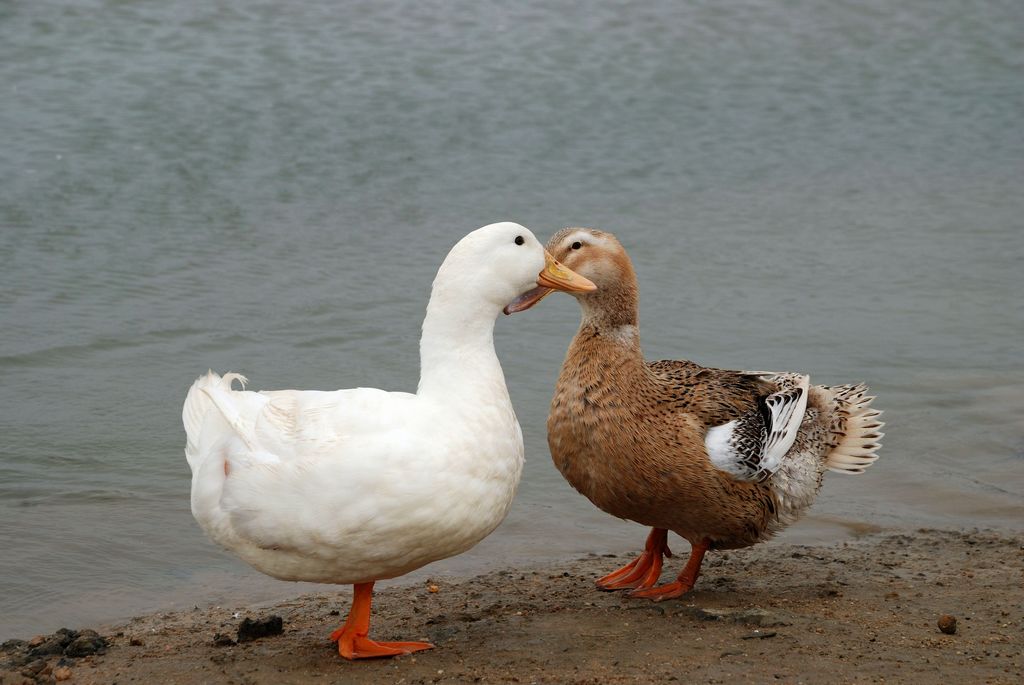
(352, 639)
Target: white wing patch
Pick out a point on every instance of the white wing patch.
(753, 446)
(717, 442)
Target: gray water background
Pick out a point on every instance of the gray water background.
(831, 187)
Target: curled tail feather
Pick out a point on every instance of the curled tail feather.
(208, 392)
(858, 430)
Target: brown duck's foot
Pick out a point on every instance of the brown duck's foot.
(666, 591)
(352, 639)
(684, 583)
(644, 571)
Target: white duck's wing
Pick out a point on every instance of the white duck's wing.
(312, 425)
(272, 467)
(752, 447)
(283, 425)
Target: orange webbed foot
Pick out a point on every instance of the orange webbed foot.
(644, 571)
(606, 582)
(686, 580)
(353, 646)
(663, 592)
(352, 639)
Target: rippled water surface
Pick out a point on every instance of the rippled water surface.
(832, 187)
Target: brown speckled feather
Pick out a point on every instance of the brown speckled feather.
(716, 396)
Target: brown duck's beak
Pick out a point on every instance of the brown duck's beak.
(554, 276)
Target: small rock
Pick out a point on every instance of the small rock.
(947, 624)
(33, 667)
(62, 673)
(222, 640)
(433, 589)
(88, 642)
(53, 644)
(37, 640)
(759, 635)
(253, 630)
(13, 646)
(136, 641)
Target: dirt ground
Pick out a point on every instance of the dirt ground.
(861, 611)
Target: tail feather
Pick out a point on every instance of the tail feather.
(208, 392)
(858, 430)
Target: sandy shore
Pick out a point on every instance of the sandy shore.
(862, 611)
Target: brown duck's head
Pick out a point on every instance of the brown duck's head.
(595, 255)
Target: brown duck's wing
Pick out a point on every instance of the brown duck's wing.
(752, 417)
(755, 445)
(715, 396)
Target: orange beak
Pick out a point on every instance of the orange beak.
(554, 276)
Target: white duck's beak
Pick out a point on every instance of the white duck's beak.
(554, 276)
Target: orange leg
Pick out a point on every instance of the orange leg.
(351, 637)
(684, 583)
(644, 571)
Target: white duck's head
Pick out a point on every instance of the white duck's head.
(495, 266)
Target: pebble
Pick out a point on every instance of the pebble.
(88, 642)
(33, 667)
(18, 645)
(433, 589)
(52, 644)
(253, 630)
(222, 640)
(62, 673)
(759, 635)
(947, 624)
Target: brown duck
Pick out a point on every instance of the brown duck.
(723, 458)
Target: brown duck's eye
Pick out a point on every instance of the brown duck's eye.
(577, 245)
(520, 240)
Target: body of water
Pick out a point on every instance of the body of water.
(829, 187)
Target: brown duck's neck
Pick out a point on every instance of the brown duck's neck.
(611, 318)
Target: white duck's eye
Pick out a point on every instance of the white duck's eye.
(577, 245)
(520, 240)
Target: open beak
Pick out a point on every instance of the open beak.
(554, 276)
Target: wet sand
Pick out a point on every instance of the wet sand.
(860, 611)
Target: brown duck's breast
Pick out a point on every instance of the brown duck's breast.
(631, 444)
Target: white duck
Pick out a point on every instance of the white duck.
(354, 486)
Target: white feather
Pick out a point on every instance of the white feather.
(716, 442)
(785, 424)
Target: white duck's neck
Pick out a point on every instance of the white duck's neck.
(457, 358)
